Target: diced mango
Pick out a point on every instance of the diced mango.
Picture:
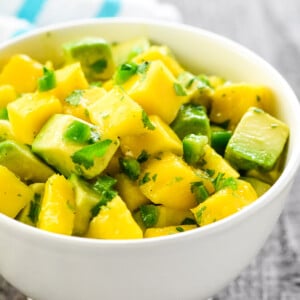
(28, 114)
(161, 139)
(68, 79)
(167, 180)
(224, 203)
(156, 232)
(58, 206)
(22, 73)
(230, 102)
(114, 221)
(157, 91)
(85, 98)
(7, 94)
(14, 194)
(130, 192)
(163, 54)
(216, 163)
(117, 114)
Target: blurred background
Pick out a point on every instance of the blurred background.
(271, 28)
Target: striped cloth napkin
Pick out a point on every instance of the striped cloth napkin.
(19, 16)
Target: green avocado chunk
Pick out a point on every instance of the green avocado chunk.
(257, 142)
(95, 56)
(85, 199)
(259, 186)
(72, 145)
(20, 160)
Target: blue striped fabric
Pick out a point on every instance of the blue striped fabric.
(110, 8)
(30, 9)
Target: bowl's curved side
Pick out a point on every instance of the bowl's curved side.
(191, 265)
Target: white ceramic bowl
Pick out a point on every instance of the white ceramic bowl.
(190, 265)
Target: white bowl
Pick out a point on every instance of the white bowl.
(190, 265)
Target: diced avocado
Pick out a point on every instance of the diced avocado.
(5, 130)
(259, 186)
(72, 145)
(125, 51)
(20, 160)
(220, 138)
(85, 199)
(95, 56)
(257, 142)
(193, 147)
(191, 118)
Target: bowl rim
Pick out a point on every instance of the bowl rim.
(287, 176)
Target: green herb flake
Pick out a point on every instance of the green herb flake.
(143, 67)
(220, 182)
(125, 71)
(199, 214)
(130, 167)
(144, 156)
(74, 98)
(154, 177)
(179, 229)
(200, 191)
(105, 187)
(179, 90)
(188, 221)
(88, 154)
(146, 178)
(146, 121)
(47, 81)
(34, 209)
(149, 215)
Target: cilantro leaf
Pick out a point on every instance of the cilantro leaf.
(146, 121)
(179, 90)
(74, 98)
(149, 215)
(220, 182)
(130, 167)
(34, 209)
(47, 81)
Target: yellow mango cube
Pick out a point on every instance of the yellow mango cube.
(161, 139)
(163, 54)
(156, 232)
(22, 73)
(114, 221)
(84, 98)
(14, 194)
(28, 114)
(215, 162)
(130, 192)
(231, 101)
(167, 180)
(157, 91)
(7, 95)
(68, 79)
(117, 114)
(58, 206)
(224, 203)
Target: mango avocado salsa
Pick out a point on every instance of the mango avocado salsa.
(124, 142)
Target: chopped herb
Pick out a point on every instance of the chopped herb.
(47, 81)
(220, 182)
(200, 191)
(258, 110)
(146, 178)
(71, 206)
(210, 172)
(96, 84)
(34, 209)
(205, 81)
(258, 98)
(99, 66)
(179, 90)
(130, 167)
(75, 97)
(154, 177)
(146, 121)
(143, 157)
(87, 154)
(3, 113)
(178, 178)
(190, 82)
(143, 67)
(199, 214)
(179, 229)
(149, 215)
(188, 221)
(105, 187)
(124, 72)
